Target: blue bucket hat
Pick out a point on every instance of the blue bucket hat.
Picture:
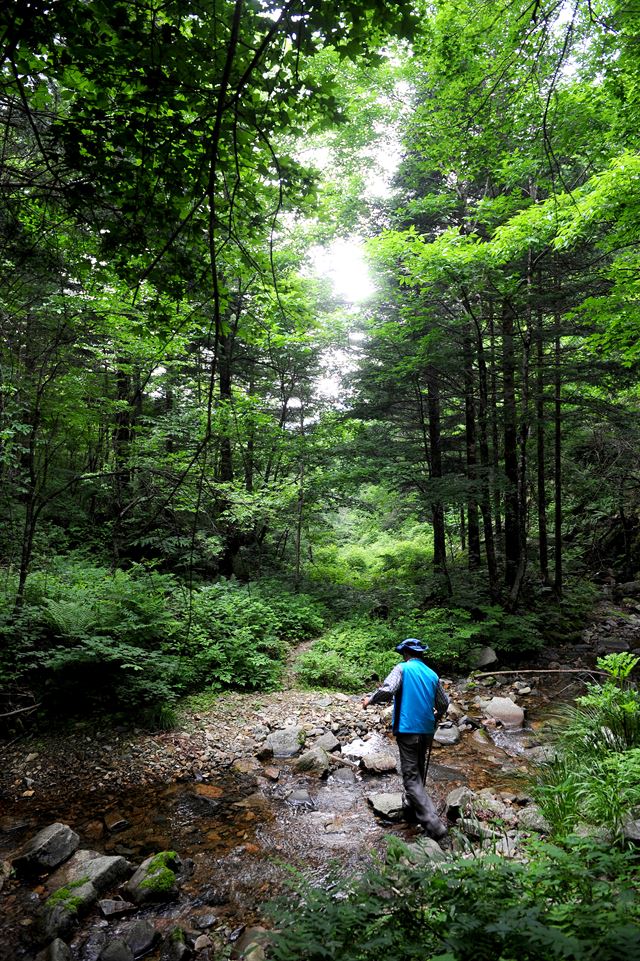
(412, 644)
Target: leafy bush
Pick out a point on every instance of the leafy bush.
(481, 909)
(595, 777)
(233, 639)
(136, 640)
(361, 649)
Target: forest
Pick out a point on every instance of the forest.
(212, 459)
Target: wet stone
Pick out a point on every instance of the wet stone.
(314, 762)
(175, 947)
(59, 950)
(378, 762)
(141, 936)
(49, 848)
(328, 742)
(155, 880)
(110, 908)
(115, 822)
(117, 950)
(447, 733)
(386, 805)
(284, 743)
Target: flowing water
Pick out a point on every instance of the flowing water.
(241, 832)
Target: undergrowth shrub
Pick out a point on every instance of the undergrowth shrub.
(132, 641)
(594, 777)
(578, 901)
(361, 649)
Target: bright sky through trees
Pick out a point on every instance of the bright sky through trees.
(343, 262)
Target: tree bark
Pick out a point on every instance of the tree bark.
(473, 524)
(511, 498)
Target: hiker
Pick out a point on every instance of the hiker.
(419, 702)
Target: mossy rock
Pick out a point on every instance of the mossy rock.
(60, 912)
(156, 879)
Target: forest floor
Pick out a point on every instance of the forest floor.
(203, 791)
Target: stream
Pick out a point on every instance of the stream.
(239, 825)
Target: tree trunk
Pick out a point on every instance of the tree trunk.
(473, 525)
(543, 547)
(437, 508)
(511, 497)
(557, 473)
(485, 468)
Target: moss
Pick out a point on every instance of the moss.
(160, 877)
(65, 896)
(177, 936)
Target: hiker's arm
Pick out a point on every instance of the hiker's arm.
(441, 702)
(389, 687)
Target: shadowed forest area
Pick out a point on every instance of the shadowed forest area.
(214, 461)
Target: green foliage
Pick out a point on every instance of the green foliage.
(595, 776)
(84, 634)
(578, 901)
(361, 650)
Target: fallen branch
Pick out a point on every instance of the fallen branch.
(338, 759)
(546, 670)
(21, 710)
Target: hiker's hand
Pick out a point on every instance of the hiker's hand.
(365, 701)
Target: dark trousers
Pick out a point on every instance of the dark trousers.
(413, 758)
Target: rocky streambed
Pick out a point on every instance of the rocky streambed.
(175, 841)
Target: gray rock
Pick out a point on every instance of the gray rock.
(531, 818)
(141, 936)
(117, 950)
(425, 850)
(314, 762)
(59, 914)
(49, 848)
(202, 942)
(482, 657)
(458, 801)
(300, 796)
(285, 742)
(112, 907)
(59, 950)
(344, 774)
(386, 805)
(503, 709)
(155, 880)
(107, 870)
(631, 830)
(328, 742)
(175, 947)
(378, 762)
(447, 733)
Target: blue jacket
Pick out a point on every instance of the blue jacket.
(413, 706)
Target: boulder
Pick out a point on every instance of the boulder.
(328, 742)
(531, 818)
(60, 913)
(482, 657)
(631, 829)
(386, 805)
(425, 850)
(175, 947)
(49, 848)
(459, 801)
(503, 709)
(117, 950)
(141, 936)
(447, 733)
(286, 742)
(314, 762)
(378, 762)
(102, 870)
(59, 950)
(155, 880)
